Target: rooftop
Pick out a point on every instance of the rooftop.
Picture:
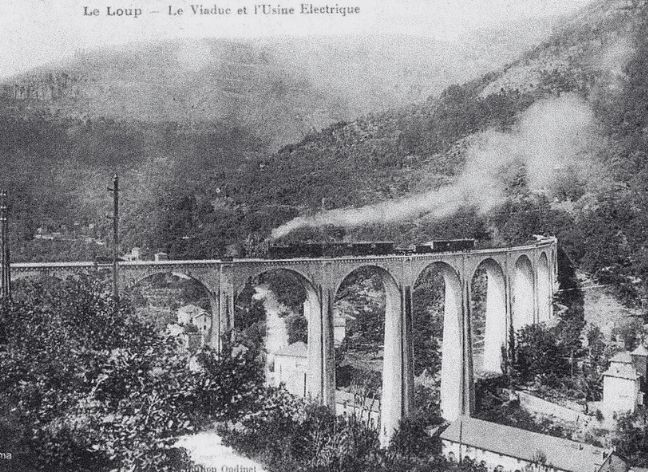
(623, 357)
(622, 371)
(640, 351)
(526, 445)
(192, 310)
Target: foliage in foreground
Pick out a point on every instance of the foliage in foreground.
(285, 433)
(631, 438)
(90, 387)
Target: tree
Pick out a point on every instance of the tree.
(412, 439)
(631, 438)
(427, 313)
(297, 326)
(572, 317)
(92, 387)
(538, 352)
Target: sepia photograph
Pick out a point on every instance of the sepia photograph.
(330, 236)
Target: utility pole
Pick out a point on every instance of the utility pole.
(5, 270)
(115, 248)
(322, 210)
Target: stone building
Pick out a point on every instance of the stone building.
(194, 315)
(291, 368)
(193, 326)
(505, 449)
(134, 255)
(621, 386)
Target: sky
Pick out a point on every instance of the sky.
(38, 32)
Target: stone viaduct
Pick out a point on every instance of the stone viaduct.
(520, 286)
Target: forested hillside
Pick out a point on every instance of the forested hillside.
(187, 123)
(576, 102)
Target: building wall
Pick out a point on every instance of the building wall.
(292, 371)
(620, 395)
(339, 332)
(539, 406)
(203, 323)
(366, 409)
(492, 460)
(184, 317)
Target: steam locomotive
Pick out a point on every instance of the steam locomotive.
(360, 248)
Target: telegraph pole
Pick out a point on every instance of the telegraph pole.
(115, 248)
(322, 210)
(5, 269)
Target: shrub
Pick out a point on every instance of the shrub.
(94, 388)
(538, 352)
(412, 439)
(287, 433)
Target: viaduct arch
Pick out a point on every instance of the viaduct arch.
(520, 285)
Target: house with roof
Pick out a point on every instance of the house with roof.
(339, 330)
(134, 255)
(161, 256)
(506, 449)
(340, 322)
(192, 326)
(194, 315)
(622, 384)
(291, 368)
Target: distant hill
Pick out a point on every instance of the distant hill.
(411, 149)
(190, 124)
(277, 90)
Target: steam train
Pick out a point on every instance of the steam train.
(360, 248)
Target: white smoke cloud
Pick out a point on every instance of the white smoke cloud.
(551, 137)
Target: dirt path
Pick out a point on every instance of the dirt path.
(207, 450)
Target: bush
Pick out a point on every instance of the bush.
(631, 438)
(287, 433)
(538, 352)
(412, 438)
(94, 388)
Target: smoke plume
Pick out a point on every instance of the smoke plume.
(553, 136)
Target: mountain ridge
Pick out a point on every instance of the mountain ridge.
(196, 194)
(280, 90)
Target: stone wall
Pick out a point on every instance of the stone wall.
(538, 406)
